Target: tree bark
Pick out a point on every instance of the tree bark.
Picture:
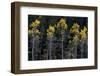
(50, 47)
(62, 47)
(33, 48)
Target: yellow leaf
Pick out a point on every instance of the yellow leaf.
(51, 29)
(75, 28)
(37, 22)
(83, 33)
(62, 24)
(36, 31)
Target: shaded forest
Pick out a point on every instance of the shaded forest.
(57, 37)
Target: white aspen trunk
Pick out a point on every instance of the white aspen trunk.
(82, 48)
(33, 47)
(50, 45)
(36, 45)
(62, 47)
(75, 50)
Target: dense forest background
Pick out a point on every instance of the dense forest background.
(57, 37)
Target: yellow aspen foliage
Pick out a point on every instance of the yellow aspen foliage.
(50, 31)
(36, 31)
(50, 34)
(62, 20)
(35, 23)
(75, 28)
(62, 24)
(85, 29)
(83, 33)
(75, 38)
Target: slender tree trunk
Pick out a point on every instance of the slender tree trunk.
(75, 50)
(82, 48)
(33, 48)
(62, 47)
(36, 47)
(50, 45)
(47, 50)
